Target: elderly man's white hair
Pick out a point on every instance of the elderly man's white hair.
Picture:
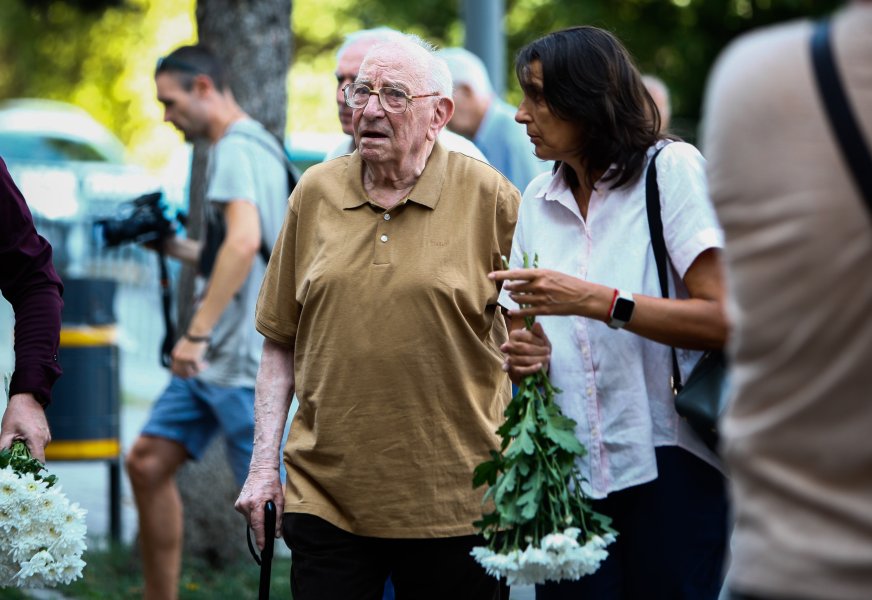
(432, 69)
(376, 35)
(660, 93)
(467, 69)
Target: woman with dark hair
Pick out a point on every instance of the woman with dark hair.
(604, 331)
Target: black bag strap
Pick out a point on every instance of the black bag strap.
(658, 245)
(841, 117)
(278, 152)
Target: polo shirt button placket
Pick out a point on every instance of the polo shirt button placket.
(383, 236)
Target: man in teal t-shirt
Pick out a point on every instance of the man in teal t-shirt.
(215, 361)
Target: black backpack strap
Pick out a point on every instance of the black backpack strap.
(658, 245)
(280, 155)
(841, 117)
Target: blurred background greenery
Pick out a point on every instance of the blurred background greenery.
(99, 54)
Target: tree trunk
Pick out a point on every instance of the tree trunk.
(253, 39)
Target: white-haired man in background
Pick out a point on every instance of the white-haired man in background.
(378, 311)
(481, 116)
(660, 94)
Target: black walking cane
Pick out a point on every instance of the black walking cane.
(265, 558)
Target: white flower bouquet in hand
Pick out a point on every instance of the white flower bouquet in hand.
(542, 527)
(42, 535)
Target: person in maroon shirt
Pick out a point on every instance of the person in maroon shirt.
(29, 282)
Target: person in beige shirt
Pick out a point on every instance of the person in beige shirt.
(798, 251)
(378, 312)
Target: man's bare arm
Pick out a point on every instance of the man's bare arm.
(272, 400)
(232, 265)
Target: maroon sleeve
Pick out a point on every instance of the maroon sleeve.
(29, 282)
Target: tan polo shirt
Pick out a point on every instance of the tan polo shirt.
(798, 437)
(396, 335)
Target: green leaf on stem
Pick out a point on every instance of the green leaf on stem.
(560, 430)
(530, 500)
(487, 472)
(18, 458)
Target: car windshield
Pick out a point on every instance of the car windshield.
(21, 146)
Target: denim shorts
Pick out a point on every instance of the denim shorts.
(191, 412)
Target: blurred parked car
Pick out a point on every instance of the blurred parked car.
(72, 172)
(309, 148)
(304, 149)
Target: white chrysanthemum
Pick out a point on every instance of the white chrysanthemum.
(10, 486)
(559, 556)
(42, 535)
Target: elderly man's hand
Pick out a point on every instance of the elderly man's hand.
(526, 352)
(261, 486)
(24, 419)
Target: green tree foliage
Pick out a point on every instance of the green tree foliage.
(678, 40)
(83, 5)
(100, 57)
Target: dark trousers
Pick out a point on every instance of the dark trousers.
(672, 537)
(328, 563)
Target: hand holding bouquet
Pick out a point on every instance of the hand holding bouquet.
(542, 527)
(42, 535)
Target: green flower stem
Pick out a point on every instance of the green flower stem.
(19, 459)
(534, 480)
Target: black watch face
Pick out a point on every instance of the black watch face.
(623, 309)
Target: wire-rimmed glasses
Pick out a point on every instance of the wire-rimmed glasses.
(392, 99)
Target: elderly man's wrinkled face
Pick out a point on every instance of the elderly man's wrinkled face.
(384, 137)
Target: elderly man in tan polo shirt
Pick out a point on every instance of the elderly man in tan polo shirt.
(378, 313)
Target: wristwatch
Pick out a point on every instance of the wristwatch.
(622, 309)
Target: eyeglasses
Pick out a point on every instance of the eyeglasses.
(393, 100)
(168, 63)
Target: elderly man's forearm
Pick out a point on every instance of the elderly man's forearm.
(272, 401)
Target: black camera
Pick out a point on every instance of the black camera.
(142, 220)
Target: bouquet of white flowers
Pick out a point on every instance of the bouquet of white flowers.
(542, 527)
(42, 535)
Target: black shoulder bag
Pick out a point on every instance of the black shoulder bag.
(841, 117)
(703, 397)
